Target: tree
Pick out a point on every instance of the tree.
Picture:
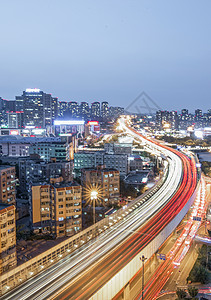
(193, 291)
(181, 294)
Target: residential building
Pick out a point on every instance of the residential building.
(47, 150)
(62, 108)
(7, 185)
(8, 257)
(35, 170)
(104, 110)
(56, 208)
(95, 110)
(84, 110)
(73, 109)
(107, 181)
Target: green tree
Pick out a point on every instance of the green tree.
(181, 294)
(193, 291)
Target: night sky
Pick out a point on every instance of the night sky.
(108, 50)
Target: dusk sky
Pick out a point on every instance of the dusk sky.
(108, 50)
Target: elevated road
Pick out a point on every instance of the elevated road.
(87, 270)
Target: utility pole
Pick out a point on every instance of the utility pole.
(143, 258)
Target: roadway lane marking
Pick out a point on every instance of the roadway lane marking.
(89, 283)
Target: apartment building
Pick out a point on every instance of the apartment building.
(7, 184)
(86, 159)
(8, 257)
(37, 170)
(108, 180)
(56, 208)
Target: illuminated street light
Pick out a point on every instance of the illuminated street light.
(94, 195)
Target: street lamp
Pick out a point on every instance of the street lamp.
(94, 195)
(143, 258)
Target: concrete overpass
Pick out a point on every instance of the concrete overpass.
(103, 266)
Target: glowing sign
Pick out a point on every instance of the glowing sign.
(93, 123)
(32, 90)
(38, 131)
(14, 132)
(29, 127)
(65, 134)
(68, 122)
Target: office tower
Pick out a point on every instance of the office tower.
(104, 110)
(15, 119)
(56, 208)
(95, 110)
(7, 184)
(37, 108)
(19, 103)
(8, 257)
(84, 110)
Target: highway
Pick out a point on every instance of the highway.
(81, 274)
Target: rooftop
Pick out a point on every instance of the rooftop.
(3, 206)
(2, 167)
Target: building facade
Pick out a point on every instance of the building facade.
(56, 208)
(36, 170)
(7, 185)
(8, 257)
(107, 180)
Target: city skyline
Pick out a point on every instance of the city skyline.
(95, 100)
(109, 51)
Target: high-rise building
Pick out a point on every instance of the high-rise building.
(198, 118)
(84, 110)
(7, 184)
(54, 108)
(15, 119)
(19, 103)
(73, 109)
(56, 208)
(115, 112)
(104, 110)
(8, 257)
(95, 110)
(37, 108)
(3, 114)
(10, 105)
(62, 108)
(173, 118)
